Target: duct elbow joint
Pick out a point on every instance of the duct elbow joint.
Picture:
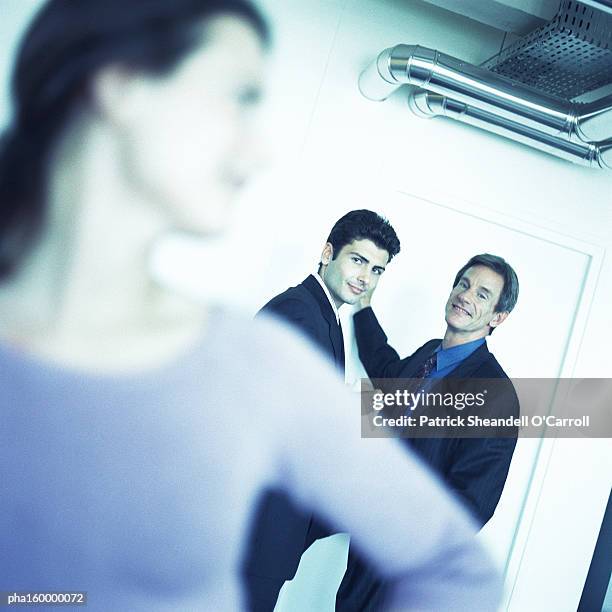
(595, 126)
(418, 103)
(376, 81)
(386, 73)
(605, 155)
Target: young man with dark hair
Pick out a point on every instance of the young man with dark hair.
(355, 255)
(357, 250)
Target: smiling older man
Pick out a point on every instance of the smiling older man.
(484, 293)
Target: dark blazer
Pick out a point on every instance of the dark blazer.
(475, 468)
(280, 532)
(307, 308)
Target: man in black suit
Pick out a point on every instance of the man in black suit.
(358, 248)
(484, 293)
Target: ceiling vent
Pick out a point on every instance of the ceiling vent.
(532, 92)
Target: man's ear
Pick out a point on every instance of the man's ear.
(498, 318)
(327, 254)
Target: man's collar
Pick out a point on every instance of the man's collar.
(328, 294)
(454, 355)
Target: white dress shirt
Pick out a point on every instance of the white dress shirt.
(329, 296)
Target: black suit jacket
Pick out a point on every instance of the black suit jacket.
(307, 308)
(281, 532)
(475, 468)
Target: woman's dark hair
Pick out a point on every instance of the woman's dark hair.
(66, 44)
(364, 225)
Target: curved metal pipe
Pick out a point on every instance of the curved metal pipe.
(605, 153)
(378, 81)
(480, 88)
(427, 104)
(595, 120)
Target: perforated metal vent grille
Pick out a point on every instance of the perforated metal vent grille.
(566, 58)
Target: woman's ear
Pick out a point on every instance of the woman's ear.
(111, 93)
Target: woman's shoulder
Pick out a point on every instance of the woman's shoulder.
(271, 359)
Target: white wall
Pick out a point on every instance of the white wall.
(451, 191)
(460, 191)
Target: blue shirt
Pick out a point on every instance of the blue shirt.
(449, 359)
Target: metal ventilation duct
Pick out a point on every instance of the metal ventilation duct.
(565, 58)
(427, 104)
(602, 5)
(518, 93)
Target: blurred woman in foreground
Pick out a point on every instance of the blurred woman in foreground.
(137, 429)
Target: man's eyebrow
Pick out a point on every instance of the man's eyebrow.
(365, 259)
(360, 256)
(485, 289)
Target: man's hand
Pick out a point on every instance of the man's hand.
(365, 299)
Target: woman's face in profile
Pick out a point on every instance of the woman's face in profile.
(186, 139)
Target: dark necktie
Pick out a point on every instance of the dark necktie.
(340, 357)
(423, 372)
(428, 367)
